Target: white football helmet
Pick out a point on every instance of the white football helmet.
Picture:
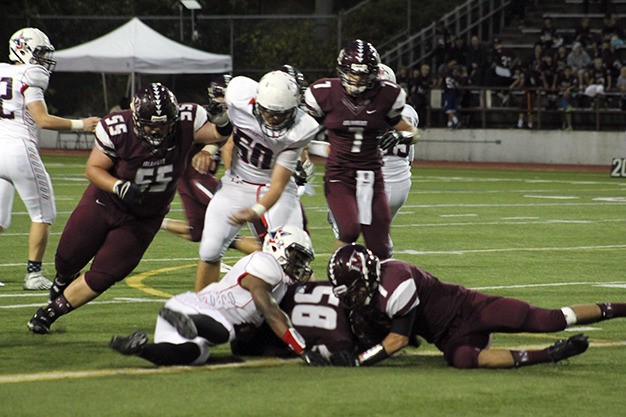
(292, 248)
(386, 73)
(276, 103)
(31, 46)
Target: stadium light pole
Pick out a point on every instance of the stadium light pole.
(192, 5)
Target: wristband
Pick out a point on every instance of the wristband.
(118, 182)
(373, 355)
(225, 130)
(294, 340)
(259, 209)
(77, 124)
(211, 148)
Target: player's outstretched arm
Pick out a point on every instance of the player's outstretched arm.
(44, 120)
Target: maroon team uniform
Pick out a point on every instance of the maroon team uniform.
(459, 321)
(314, 312)
(102, 226)
(353, 125)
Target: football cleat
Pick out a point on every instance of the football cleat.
(182, 323)
(129, 345)
(39, 323)
(564, 349)
(36, 281)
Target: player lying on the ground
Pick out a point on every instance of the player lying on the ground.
(314, 312)
(403, 300)
(190, 323)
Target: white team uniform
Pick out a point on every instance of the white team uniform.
(21, 167)
(249, 176)
(226, 301)
(397, 168)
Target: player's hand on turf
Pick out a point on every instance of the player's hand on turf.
(343, 358)
(313, 358)
(128, 192)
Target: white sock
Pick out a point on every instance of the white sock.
(570, 316)
(164, 223)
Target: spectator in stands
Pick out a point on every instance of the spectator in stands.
(502, 61)
(477, 58)
(584, 35)
(579, 60)
(451, 79)
(421, 84)
(524, 82)
(609, 58)
(598, 80)
(567, 84)
(403, 78)
(621, 87)
(611, 28)
(442, 44)
(549, 36)
(548, 80)
(457, 51)
(560, 58)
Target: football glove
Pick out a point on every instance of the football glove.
(304, 172)
(217, 114)
(343, 358)
(389, 139)
(313, 358)
(128, 192)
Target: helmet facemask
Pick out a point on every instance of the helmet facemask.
(354, 272)
(292, 248)
(357, 66)
(31, 46)
(276, 103)
(155, 113)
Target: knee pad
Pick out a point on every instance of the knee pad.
(100, 282)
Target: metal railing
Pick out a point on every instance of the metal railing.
(480, 17)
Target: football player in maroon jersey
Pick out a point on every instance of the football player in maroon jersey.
(410, 301)
(138, 156)
(362, 115)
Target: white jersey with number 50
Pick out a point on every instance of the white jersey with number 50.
(256, 152)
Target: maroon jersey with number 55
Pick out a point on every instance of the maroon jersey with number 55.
(155, 170)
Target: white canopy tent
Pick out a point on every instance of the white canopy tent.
(135, 48)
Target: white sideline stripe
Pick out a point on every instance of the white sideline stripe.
(114, 301)
(459, 215)
(407, 252)
(553, 284)
(552, 197)
(265, 362)
(123, 300)
(97, 373)
(462, 252)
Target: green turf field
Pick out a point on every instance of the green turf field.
(549, 237)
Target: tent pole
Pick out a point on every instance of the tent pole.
(106, 98)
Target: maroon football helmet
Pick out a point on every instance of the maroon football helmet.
(354, 272)
(357, 66)
(296, 74)
(217, 88)
(155, 113)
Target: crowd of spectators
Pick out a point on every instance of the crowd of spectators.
(567, 69)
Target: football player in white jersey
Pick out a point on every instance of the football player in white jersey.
(397, 160)
(249, 294)
(22, 111)
(269, 132)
